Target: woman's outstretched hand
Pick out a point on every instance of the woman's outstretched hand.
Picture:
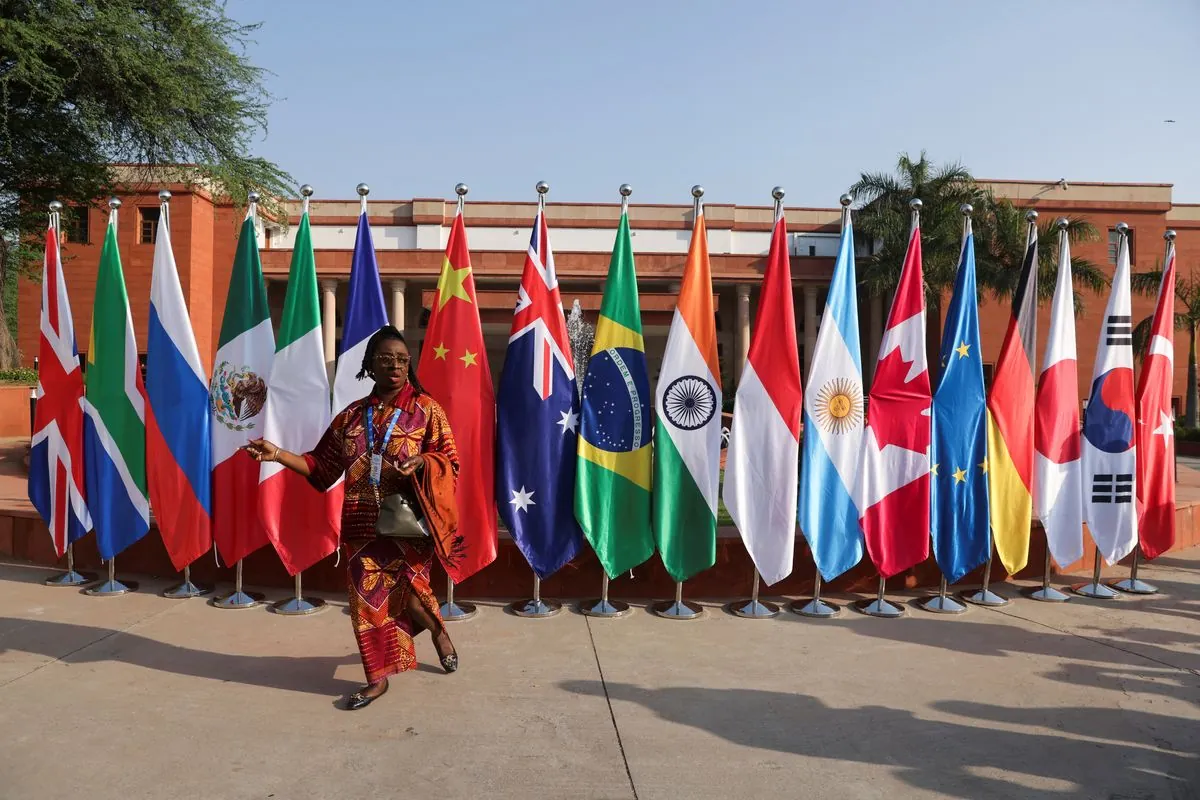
(262, 450)
(409, 466)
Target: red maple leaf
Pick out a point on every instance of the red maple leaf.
(898, 412)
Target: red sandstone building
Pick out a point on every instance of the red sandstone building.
(410, 238)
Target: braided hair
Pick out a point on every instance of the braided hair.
(381, 335)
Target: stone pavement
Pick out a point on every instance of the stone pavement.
(142, 697)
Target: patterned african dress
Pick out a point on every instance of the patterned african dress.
(383, 572)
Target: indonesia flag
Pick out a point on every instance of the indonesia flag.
(893, 481)
(1058, 483)
(178, 441)
(1109, 440)
(762, 461)
(56, 486)
(1156, 424)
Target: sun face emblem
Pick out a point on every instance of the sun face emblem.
(839, 405)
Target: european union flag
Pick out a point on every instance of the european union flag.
(958, 485)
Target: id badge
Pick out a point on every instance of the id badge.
(376, 467)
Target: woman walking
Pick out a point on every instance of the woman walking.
(397, 453)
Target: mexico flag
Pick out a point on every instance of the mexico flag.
(763, 460)
(1156, 424)
(687, 434)
(237, 395)
(302, 523)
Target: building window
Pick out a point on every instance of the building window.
(148, 230)
(812, 249)
(1112, 246)
(76, 228)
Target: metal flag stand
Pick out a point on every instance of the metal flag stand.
(70, 577)
(941, 603)
(298, 605)
(879, 607)
(452, 611)
(678, 608)
(1094, 588)
(536, 608)
(237, 598)
(985, 596)
(816, 608)
(1132, 585)
(112, 586)
(603, 607)
(1048, 594)
(753, 608)
(186, 589)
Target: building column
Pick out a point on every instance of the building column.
(810, 324)
(329, 321)
(742, 332)
(398, 289)
(875, 334)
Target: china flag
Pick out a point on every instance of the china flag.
(454, 370)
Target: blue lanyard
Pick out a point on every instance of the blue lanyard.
(371, 439)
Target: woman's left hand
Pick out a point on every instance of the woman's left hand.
(409, 466)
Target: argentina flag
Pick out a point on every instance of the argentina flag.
(833, 425)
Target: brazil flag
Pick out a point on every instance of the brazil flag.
(612, 483)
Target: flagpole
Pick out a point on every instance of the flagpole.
(238, 598)
(1094, 588)
(679, 608)
(1132, 585)
(816, 608)
(1048, 594)
(112, 587)
(70, 577)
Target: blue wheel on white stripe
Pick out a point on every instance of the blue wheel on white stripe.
(689, 402)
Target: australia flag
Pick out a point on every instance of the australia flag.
(537, 419)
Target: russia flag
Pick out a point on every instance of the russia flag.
(178, 450)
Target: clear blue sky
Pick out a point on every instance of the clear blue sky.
(412, 97)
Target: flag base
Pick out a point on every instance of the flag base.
(603, 607)
(298, 606)
(753, 609)
(457, 612)
(535, 608)
(678, 609)
(112, 587)
(879, 608)
(1095, 590)
(815, 609)
(1048, 594)
(941, 604)
(1134, 586)
(984, 597)
(185, 590)
(71, 578)
(238, 599)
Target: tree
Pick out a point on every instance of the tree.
(86, 84)
(1187, 292)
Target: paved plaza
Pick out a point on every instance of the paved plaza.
(143, 697)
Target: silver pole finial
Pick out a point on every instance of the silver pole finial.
(1031, 216)
(164, 196)
(1169, 236)
(252, 197)
(1123, 228)
(625, 189)
(697, 191)
(1063, 223)
(362, 189)
(461, 189)
(915, 204)
(56, 206)
(541, 187)
(306, 190)
(846, 200)
(966, 209)
(114, 203)
(778, 192)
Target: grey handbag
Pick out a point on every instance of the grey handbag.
(397, 519)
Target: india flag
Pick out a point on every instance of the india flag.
(687, 435)
(302, 523)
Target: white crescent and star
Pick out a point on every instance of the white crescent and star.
(1166, 427)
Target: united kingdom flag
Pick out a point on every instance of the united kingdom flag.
(56, 454)
(537, 419)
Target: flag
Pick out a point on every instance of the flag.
(612, 480)
(1010, 421)
(302, 523)
(958, 487)
(455, 371)
(762, 462)
(833, 421)
(537, 419)
(365, 314)
(178, 433)
(114, 428)
(893, 481)
(687, 434)
(56, 463)
(1156, 424)
(1058, 485)
(1109, 444)
(237, 394)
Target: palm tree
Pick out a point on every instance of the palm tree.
(1187, 292)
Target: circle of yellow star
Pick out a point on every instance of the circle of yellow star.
(439, 351)
(963, 350)
(960, 476)
(934, 470)
(983, 466)
(468, 358)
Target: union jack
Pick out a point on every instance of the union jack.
(539, 309)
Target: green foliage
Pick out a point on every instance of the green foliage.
(1186, 434)
(18, 375)
(1187, 294)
